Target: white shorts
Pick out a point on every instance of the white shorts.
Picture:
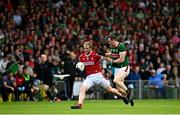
(125, 70)
(95, 79)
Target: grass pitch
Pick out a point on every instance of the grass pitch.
(92, 107)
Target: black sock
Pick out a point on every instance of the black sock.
(128, 93)
(49, 95)
(125, 99)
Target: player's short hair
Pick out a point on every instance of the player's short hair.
(114, 37)
(111, 37)
(88, 43)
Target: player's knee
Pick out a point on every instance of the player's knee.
(120, 77)
(115, 81)
(113, 90)
(121, 83)
(83, 89)
(109, 89)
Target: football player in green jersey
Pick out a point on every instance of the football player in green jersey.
(119, 59)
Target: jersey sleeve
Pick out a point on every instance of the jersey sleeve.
(98, 57)
(122, 48)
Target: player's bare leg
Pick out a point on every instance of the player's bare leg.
(121, 87)
(82, 94)
(124, 94)
(120, 90)
(119, 81)
(114, 91)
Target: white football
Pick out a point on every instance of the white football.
(80, 66)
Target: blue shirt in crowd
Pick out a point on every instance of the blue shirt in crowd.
(156, 81)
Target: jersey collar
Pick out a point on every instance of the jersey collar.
(88, 54)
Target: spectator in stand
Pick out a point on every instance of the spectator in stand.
(144, 69)
(9, 86)
(19, 56)
(157, 82)
(161, 68)
(176, 66)
(134, 77)
(3, 63)
(140, 52)
(17, 18)
(20, 82)
(27, 78)
(132, 57)
(170, 77)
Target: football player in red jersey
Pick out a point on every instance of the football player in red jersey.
(93, 72)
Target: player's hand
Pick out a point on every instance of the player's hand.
(108, 59)
(80, 73)
(108, 54)
(78, 68)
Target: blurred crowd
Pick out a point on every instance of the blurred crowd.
(40, 38)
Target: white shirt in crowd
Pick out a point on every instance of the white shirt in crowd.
(17, 19)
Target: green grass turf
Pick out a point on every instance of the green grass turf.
(93, 107)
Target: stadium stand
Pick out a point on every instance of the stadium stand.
(58, 28)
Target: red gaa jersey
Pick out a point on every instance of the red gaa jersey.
(91, 62)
